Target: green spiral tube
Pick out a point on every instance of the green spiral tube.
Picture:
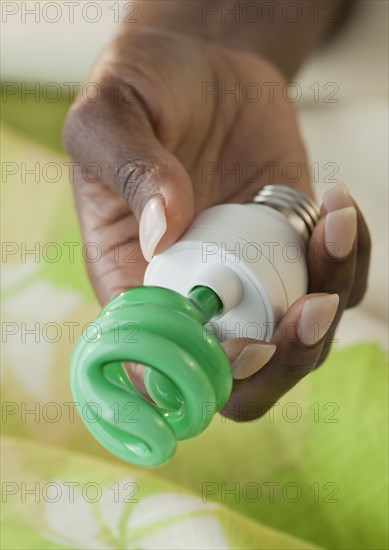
(187, 372)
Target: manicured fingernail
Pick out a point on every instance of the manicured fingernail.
(337, 197)
(316, 318)
(152, 226)
(340, 229)
(252, 359)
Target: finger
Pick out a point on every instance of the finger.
(299, 339)
(334, 199)
(247, 356)
(108, 226)
(116, 135)
(332, 256)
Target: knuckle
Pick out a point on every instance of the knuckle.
(88, 117)
(324, 354)
(356, 296)
(361, 270)
(104, 133)
(71, 131)
(135, 175)
(291, 374)
(364, 240)
(296, 364)
(84, 119)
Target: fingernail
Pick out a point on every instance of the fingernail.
(340, 229)
(152, 226)
(251, 360)
(316, 318)
(337, 197)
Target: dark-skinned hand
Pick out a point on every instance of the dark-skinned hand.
(163, 137)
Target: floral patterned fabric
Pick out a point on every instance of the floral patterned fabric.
(62, 499)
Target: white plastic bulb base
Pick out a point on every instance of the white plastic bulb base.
(252, 255)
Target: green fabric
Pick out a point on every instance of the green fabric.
(79, 501)
(327, 438)
(334, 454)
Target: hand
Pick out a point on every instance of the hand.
(338, 261)
(154, 133)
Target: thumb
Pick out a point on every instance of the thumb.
(117, 139)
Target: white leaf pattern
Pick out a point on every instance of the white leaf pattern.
(72, 521)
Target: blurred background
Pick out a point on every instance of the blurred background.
(46, 54)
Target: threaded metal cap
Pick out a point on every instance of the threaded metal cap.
(301, 211)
